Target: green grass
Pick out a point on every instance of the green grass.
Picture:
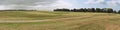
(32, 15)
(37, 15)
(74, 21)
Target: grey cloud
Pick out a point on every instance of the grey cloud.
(107, 2)
(26, 2)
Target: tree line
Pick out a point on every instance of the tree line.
(101, 10)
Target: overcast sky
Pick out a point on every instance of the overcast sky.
(51, 4)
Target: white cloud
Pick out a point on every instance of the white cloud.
(34, 4)
(25, 2)
(95, 1)
(113, 2)
(57, 4)
(62, 4)
(108, 2)
(2, 7)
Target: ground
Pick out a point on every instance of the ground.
(37, 20)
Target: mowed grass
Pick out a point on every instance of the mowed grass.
(73, 21)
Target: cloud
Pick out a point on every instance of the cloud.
(2, 7)
(95, 1)
(108, 2)
(25, 2)
(113, 2)
(33, 4)
(57, 4)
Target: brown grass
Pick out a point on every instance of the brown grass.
(80, 21)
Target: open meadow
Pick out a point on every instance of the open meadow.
(43, 20)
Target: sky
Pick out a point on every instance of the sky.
(53, 4)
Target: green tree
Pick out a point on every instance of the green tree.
(98, 10)
(119, 11)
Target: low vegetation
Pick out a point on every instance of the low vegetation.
(33, 15)
(63, 21)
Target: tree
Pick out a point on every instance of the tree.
(74, 10)
(57, 9)
(85, 10)
(89, 10)
(93, 9)
(64, 9)
(98, 10)
(110, 10)
(81, 10)
(119, 11)
(105, 10)
(61, 9)
(114, 12)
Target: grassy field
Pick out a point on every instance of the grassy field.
(61, 21)
(33, 15)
